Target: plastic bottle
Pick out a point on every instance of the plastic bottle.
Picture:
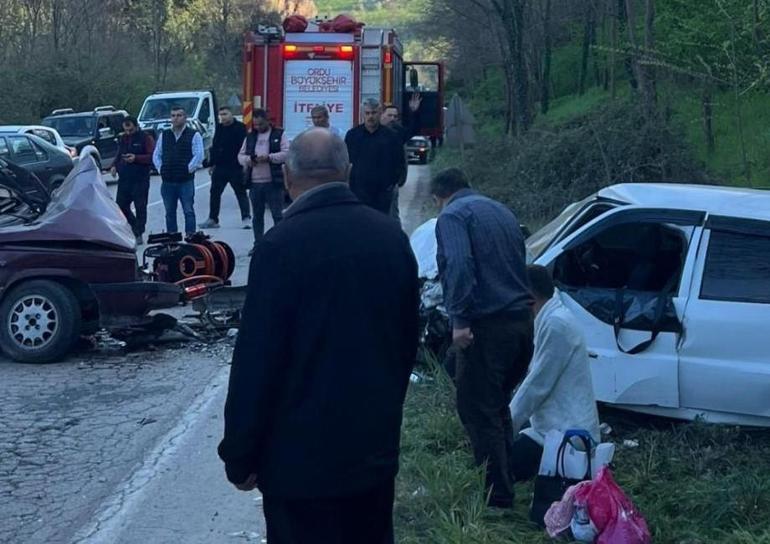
(582, 528)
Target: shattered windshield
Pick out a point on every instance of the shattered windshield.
(538, 242)
(72, 127)
(158, 109)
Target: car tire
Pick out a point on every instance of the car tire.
(55, 325)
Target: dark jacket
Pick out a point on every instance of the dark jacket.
(326, 346)
(226, 145)
(176, 156)
(276, 169)
(141, 145)
(378, 164)
(481, 259)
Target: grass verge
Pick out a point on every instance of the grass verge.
(695, 483)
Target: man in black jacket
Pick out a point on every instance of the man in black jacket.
(224, 168)
(391, 118)
(132, 164)
(377, 156)
(323, 358)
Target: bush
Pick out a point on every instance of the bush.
(538, 174)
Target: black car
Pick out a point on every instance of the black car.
(417, 149)
(100, 128)
(47, 162)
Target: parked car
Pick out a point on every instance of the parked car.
(50, 135)
(49, 163)
(670, 284)
(68, 269)
(100, 128)
(417, 149)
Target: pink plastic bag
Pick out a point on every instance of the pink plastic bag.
(613, 514)
(559, 515)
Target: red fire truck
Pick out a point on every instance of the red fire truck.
(289, 73)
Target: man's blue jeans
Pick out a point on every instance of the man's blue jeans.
(179, 192)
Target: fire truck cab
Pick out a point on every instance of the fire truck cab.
(287, 74)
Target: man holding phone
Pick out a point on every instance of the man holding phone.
(262, 156)
(132, 165)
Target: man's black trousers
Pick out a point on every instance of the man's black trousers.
(363, 518)
(136, 192)
(487, 373)
(221, 176)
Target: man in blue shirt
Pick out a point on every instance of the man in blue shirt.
(481, 260)
(178, 154)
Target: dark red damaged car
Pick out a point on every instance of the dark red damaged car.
(67, 265)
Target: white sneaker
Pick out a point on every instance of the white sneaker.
(209, 224)
(246, 223)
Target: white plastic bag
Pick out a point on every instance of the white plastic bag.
(575, 460)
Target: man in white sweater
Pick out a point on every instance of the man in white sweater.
(557, 392)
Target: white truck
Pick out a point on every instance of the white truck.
(201, 108)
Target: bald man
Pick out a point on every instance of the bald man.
(323, 358)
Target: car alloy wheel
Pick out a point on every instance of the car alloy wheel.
(33, 321)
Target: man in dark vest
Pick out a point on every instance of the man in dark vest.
(262, 155)
(132, 164)
(177, 156)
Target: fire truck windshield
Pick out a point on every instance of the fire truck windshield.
(160, 108)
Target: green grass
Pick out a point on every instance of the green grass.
(567, 108)
(695, 484)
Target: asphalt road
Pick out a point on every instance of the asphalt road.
(116, 448)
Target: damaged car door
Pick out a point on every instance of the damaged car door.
(626, 277)
(725, 367)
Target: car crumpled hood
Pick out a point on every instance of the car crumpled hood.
(80, 210)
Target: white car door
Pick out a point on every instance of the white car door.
(650, 377)
(725, 355)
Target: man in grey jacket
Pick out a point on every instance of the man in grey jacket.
(557, 393)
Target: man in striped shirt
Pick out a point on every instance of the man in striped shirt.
(481, 260)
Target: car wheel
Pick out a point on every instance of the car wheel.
(40, 322)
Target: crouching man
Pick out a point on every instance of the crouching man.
(557, 392)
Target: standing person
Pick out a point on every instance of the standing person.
(481, 261)
(263, 154)
(225, 168)
(320, 117)
(391, 118)
(320, 370)
(132, 164)
(377, 157)
(177, 156)
(557, 393)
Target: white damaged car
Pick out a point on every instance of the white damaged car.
(671, 285)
